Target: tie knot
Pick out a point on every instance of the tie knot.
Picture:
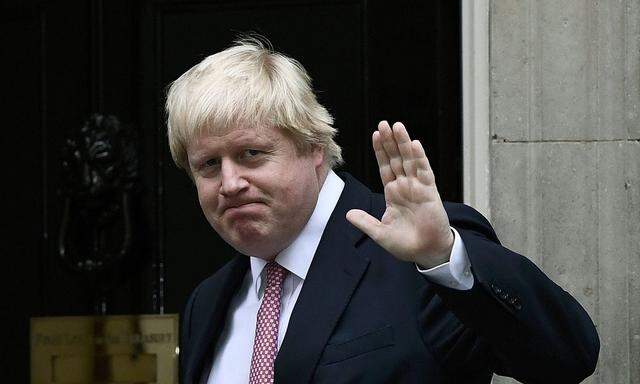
(275, 274)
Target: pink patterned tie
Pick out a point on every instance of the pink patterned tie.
(265, 345)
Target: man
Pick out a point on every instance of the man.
(335, 284)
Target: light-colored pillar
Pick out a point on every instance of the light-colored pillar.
(563, 179)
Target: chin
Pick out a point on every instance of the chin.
(252, 241)
(258, 238)
(255, 251)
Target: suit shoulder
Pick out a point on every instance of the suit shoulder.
(231, 272)
(462, 216)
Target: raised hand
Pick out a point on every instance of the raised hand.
(415, 226)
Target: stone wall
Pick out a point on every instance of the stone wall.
(564, 105)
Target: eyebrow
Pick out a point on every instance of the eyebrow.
(206, 153)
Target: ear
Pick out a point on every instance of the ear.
(318, 157)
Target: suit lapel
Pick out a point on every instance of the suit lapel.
(335, 272)
(211, 308)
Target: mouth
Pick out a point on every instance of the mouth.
(244, 207)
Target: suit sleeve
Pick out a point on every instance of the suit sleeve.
(514, 319)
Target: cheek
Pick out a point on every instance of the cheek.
(298, 187)
(289, 185)
(207, 196)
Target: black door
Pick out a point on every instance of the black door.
(63, 60)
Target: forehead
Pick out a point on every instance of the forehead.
(237, 135)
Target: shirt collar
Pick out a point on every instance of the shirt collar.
(297, 257)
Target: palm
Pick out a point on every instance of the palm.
(414, 226)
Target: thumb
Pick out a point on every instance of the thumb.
(366, 223)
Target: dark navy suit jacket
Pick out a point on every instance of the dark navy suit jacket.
(365, 317)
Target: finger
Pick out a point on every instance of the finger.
(391, 148)
(419, 155)
(386, 174)
(425, 173)
(404, 146)
(366, 223)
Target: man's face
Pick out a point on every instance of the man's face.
(255, 189)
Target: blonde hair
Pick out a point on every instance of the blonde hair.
(252, 85)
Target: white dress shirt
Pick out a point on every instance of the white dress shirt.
(232, 356)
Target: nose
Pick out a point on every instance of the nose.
(232, 181)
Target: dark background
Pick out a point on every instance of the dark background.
(63, 60)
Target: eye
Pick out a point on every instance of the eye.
(249, 153)
(212, 162)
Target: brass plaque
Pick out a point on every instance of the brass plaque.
(104, 349)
